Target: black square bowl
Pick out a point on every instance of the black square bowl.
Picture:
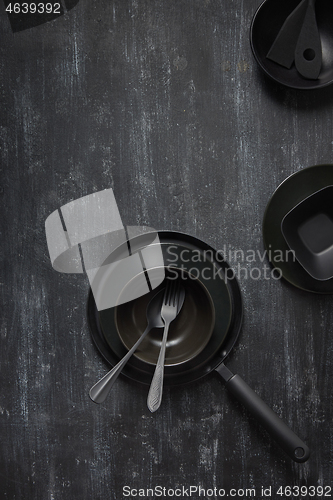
(308, 230)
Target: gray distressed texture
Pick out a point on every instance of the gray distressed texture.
(163, 102)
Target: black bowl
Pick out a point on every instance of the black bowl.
(308, 230)
(265, 26)
(189, 333)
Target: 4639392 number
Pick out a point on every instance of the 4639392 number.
(33, 8)
(305, 491)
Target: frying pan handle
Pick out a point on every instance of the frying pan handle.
(283, 435)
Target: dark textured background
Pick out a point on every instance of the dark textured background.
(163, 102)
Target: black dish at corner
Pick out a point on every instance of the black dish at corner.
(265, 26)
(292, 191)
(308, 230)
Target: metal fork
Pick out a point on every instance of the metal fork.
(168, 314)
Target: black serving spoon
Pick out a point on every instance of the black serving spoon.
(308, 53)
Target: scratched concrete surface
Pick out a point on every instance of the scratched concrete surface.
(163, 102)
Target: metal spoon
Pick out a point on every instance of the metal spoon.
(99, 391)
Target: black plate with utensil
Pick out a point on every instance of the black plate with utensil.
(292, 191)
(266, 25)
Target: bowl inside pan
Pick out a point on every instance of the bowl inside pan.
(267, 23)
(189, 333)
(308, 230)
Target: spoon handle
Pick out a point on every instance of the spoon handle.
(156, 388)
(99, 391)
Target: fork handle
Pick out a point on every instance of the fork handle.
(156, 388)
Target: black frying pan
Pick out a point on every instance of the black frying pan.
(226, 296)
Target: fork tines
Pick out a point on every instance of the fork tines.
(171, 291)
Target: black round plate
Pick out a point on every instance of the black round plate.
(265, 26)
(181, 251)
(292, 191)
